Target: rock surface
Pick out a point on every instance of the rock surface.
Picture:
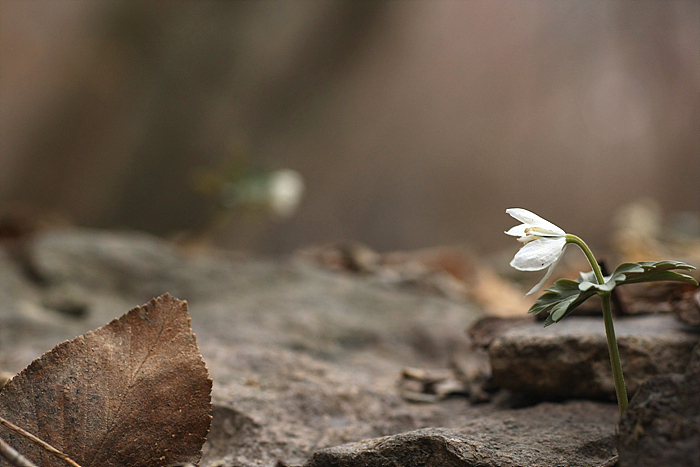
(571, 359)
(303, 361)
(688, 309)
(566, 435)
(661, 427)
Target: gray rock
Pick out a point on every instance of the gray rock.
(571, 359)
(573, 434)
(302, 360)
(15, 288)
(661, 426)
(271, 404)
(291, 305)
(27, 328)
(128, 264)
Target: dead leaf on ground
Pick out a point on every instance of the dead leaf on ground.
(450, 271)
(134, 393)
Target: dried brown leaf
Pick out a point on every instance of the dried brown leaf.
(134, 393)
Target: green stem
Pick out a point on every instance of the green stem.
(620, 389)
(589, 255)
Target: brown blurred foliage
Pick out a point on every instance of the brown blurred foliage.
(413, 123)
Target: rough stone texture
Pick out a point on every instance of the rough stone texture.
(688, 309)
(661, 426)
(571, 359)
(567, 435)
(694, 364)
(273, 404)
(301, 359)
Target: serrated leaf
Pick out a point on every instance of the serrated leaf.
(644, 271)
(561, 299)
(588, 276)
(560, 290)
(562, 307)
(608, 286)
(653, 271)
(629, 268)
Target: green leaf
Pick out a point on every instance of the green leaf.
(644, 271)
(562, 298)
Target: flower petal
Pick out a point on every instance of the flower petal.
(517, 231)
(532, 219)
(550, 270)
(538, 254)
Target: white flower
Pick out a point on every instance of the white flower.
(544, 244)
(279, 191)
(286, 190)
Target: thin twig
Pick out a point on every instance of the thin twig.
(44, 445)
(13, 457)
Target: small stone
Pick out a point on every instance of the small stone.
(418, 385)
(571, 359)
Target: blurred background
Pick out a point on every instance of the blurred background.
(268, 126)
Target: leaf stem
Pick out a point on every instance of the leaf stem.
(39, 442)
(618, 378)
(13, 457)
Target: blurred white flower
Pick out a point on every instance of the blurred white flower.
(279, 192)
(544, 244)
(286, 190)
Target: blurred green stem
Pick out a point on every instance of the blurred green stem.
(620, 389)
